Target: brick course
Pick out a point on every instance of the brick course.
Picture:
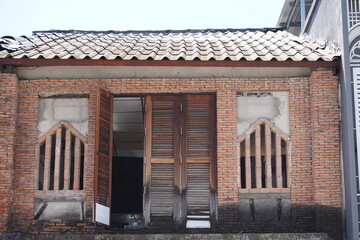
(314, 132)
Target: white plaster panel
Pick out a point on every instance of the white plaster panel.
(54, 110)
(274, 107)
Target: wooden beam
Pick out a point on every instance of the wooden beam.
(268, 156)
(47, 163)
(178, 63)
(67, 160)
(258, 164)
(57, 160)
(248, 162)
(77, 161)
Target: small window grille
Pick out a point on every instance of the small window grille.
(61, 159)
(354, 12)
(264, 158)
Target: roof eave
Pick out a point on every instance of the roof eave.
(25, 62)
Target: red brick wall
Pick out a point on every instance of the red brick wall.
(8, 119)
(308, 177)
(325, 148)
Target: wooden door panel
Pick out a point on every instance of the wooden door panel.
(103, 156)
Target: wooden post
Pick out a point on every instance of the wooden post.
(77, 160)
(57, 159)
(258, 156)
(248, 162)
(67, 160)
(268, 156)
(278, 162)
(47, 163)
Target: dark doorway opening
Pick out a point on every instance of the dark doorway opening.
(127, 166)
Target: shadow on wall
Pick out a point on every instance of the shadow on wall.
(303, 219)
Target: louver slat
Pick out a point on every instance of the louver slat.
(198, 188)
(103, 150)
(162, 129)
(162, 189)
(198, 129)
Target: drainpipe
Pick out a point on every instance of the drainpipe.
(347, 133)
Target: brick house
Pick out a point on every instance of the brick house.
(214, 130)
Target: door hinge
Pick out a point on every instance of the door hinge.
(144, 160)
(181, 130)
(181, 107)
(145, 107)
(180, 158)
(145, 131)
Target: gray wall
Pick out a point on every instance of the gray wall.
(325, 22)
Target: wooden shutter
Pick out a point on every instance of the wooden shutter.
(103, 156)
(161, 159)
(198, 148)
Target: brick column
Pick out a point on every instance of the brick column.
(325, 124)
(8, 118)
(227, 166)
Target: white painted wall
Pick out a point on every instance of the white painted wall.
(273, 106)
(54, 110)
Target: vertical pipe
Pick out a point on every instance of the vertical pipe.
(268, 156)
(247, 162)
(57, 159)
(258, 157)
(77, 159)
(67, 160)
(47, 163)
(278, 162)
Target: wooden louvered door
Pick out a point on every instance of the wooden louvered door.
(179, 152)
(198, 173)
(161, 161)
(103, 156)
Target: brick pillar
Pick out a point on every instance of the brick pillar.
(227, 166)
(325, 124)
(8, 117)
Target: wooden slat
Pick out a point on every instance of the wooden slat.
(162, 135)
(198, 187)
(77, 161)
(198, 129)
(248, 162)
(47, 163)
(268, 156)
(103, 147)
(67, 160)
(288, 154)
(162, 190)
(57, 160)
(278, 162)
(258, 156)
(147, 160)
(162, 160)
(198, 160)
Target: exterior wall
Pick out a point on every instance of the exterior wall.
(313, 107)
(8, 119)
(325, 23)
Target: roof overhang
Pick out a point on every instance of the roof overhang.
(164, 63)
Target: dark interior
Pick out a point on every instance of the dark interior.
(127, 185)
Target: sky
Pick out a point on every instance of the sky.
(21, 17)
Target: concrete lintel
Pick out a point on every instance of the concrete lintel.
(111, 72)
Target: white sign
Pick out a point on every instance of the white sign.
(102, 214)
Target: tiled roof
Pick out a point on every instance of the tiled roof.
(223, 44)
